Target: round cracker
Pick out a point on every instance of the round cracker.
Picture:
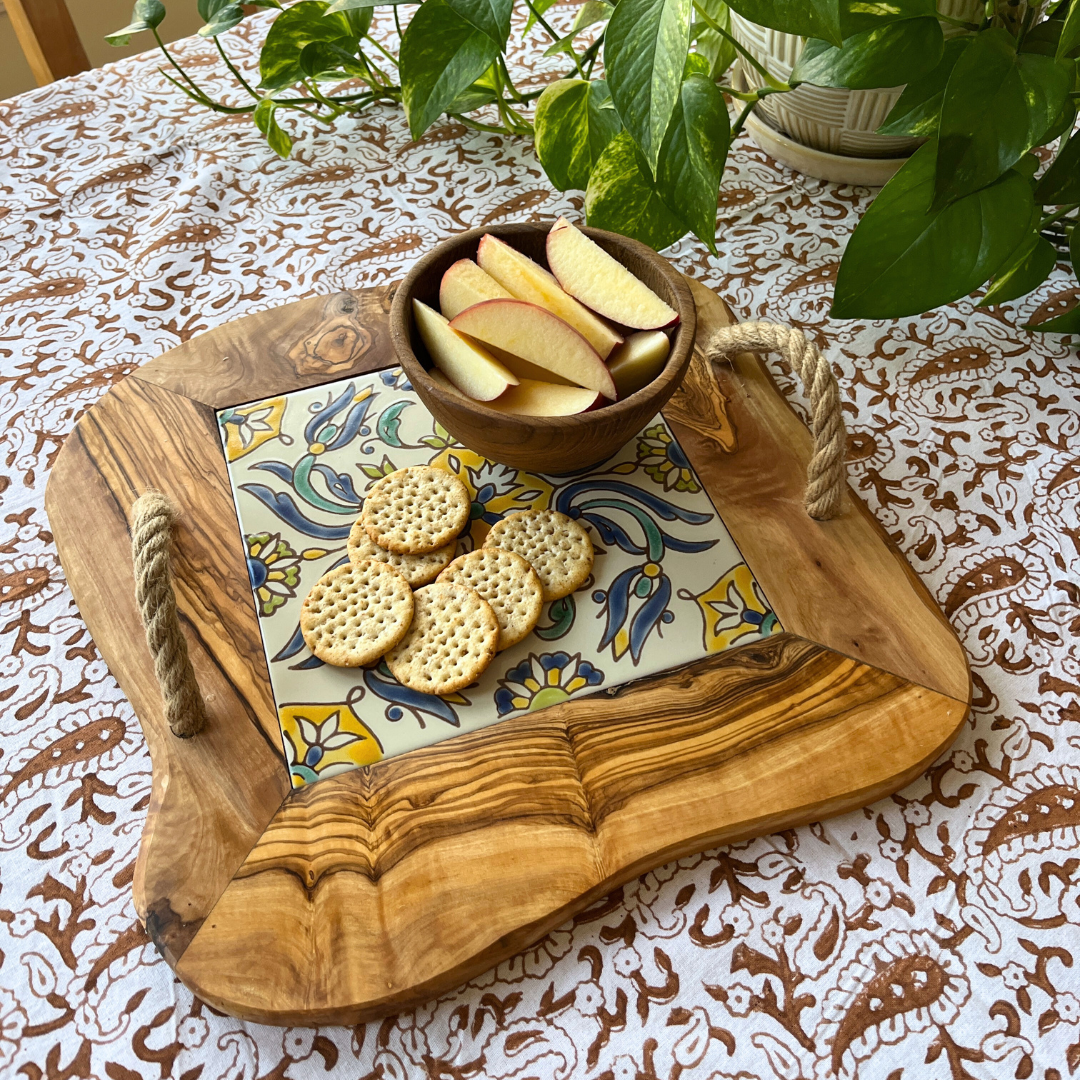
(557, 547)
(417, 570)
(508, 583)
(356, 612)
(416, 510)
(452, 639)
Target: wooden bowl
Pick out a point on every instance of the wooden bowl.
(545, 444)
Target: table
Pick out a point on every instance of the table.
(930, 935)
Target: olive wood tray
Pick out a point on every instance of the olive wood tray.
(375, 890)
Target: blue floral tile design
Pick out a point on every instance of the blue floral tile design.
(668, 587)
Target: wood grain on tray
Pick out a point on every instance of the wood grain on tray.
(378, 888)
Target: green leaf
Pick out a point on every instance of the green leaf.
(266, 122)
(291, 32)
(219, 16)
(1069, 323)
(906, 258)
(146, 15)
(573, 129)
(716, 48)
(491, 17)
(590, 13)
(919, 108)
(693, 154)
(1061, 182)
(441, 55)
(1027, 267)
(1070, 34)
(645, 49)
(696, 64)
(482, 92)
(327, 60)
(887, 55)
(621, 197)
(859, 15)
(353, 5)
(1063, 124)
(359, 20)
(998, 104)
(805, 18)
(539, 7)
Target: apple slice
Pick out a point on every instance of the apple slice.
(586, 271)
(534, 334)
(531, 397)
(528, 281)
(474, 371)
(465, 284)
(638, 360)
(524, 370)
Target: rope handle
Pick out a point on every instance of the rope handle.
(152, 518)
(826, 476)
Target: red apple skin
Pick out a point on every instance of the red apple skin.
(560, 268)
(536, 335)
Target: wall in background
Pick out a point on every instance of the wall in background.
(93, 20)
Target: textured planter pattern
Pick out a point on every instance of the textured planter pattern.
(836, 121)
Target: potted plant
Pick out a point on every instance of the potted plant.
(648, 140)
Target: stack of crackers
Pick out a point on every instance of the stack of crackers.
(437, 620)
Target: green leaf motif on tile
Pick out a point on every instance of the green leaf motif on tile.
(918, 110)
(645, 48)
(906, 258)
(573, 128)
(998, 104)
(290, 33)
(805, 18)
(621, 197)
(693, 155)
(146, 16)
(441, 55)
(266, 122)
(887, 55)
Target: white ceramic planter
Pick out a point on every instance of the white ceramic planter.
(838, 124)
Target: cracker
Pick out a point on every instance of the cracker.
(557, 547)
(417, 510)
(452, 639)
(417, 570)
(356, 612)
(508, 583)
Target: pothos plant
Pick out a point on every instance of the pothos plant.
(648, 140)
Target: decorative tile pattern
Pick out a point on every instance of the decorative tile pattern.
(299, 465)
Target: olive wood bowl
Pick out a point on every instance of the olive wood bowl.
(545, 444)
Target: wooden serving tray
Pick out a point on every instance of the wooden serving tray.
(374, 890)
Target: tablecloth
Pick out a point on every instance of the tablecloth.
(931, 935)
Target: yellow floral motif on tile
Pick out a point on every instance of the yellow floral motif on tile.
(248, 427)
(733, 609)
(504, 488)
(321, 740)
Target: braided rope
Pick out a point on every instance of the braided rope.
(825, 475)
(151, 535)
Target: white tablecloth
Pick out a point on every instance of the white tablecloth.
(931, 935)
